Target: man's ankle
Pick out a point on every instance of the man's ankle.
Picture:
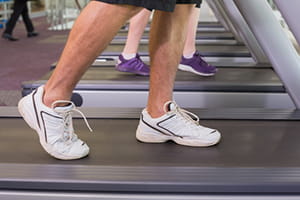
(49, 101)
(155, 112)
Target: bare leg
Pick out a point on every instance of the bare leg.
(90, 35)
(167, 38)
(190, 47)
(136, 30)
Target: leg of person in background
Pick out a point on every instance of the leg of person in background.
(189, 46)
(163, 120)
(10, 25)
(48, 109)
(191, 60)
(28, 23)
(129, 60)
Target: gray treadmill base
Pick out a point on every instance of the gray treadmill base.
(17, 195)
(122, 41)
(204, 114)
(216, 61)
(206, 51)
(230, 87)
(254, 157)
(132, 99)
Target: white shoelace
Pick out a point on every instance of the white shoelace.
(188, 116)
(67, 117)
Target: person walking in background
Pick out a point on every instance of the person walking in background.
(191, 61)
(19, 8)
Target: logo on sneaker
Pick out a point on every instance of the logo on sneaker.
(44, 114)
(35, 108)
(41, 115)
(168, 133)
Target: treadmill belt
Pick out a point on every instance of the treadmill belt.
(209, 24)
(253, 156)
(202, 27)
(227, 79)
(199, 35)
(113, 143)
(205, 50)
(201, 24)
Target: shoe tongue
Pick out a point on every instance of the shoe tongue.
(171, 106)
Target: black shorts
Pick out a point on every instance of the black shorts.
(165, 5)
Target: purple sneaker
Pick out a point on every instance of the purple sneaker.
(197, 65)
(134, 65)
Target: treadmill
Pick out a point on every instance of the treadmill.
(244, 87)
(236, 85)
(256, 159)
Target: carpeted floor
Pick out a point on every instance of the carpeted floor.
(27, 59)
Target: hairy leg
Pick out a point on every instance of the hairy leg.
(167, 38)
(93, 30)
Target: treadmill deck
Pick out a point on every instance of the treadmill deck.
(253, 156)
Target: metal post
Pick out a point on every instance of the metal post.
(290, 11)
(244, 31)
(218, 14)
(275, 43)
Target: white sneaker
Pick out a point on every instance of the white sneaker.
(176, 125)
(53, 125)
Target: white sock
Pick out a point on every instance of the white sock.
(188, 56)
(128, 56)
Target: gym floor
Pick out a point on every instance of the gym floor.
(28, 58)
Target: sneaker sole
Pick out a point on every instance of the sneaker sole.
(30, 120)
(152, 138)
(190, 69)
